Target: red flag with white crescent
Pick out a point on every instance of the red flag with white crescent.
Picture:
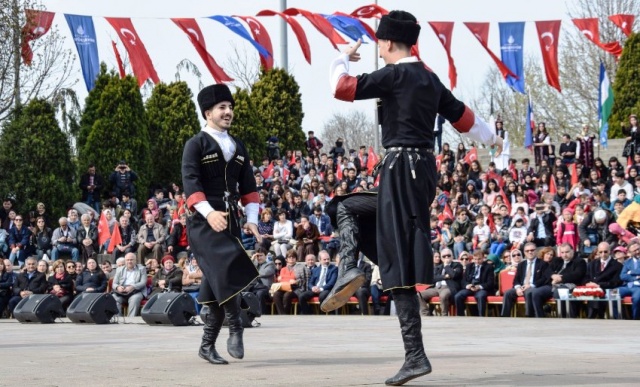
(481, 32)
(297, 30)
(471, 156)
(444, 31)
(191, 28)
(372, 160)
(320, 23)
(38, 23)
(103, 229)
(548, 35)
(118, 60)
(624, 22)
(369, 11)
(260, 35)
(116, 238)
(590, 30)
(268, 171)
(140, 61)
(447, 211)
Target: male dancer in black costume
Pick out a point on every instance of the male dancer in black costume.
(216, 174)
(411, 97)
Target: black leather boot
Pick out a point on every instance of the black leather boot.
(235, 346)
(416, 363)
(350, 278)
(212, 325)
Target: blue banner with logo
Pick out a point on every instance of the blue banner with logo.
(84, 37)
(349, 26)
(511, 43)
(239, 29)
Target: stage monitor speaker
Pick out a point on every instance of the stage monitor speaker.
(169, 308)
(42, 308)
(92, 308)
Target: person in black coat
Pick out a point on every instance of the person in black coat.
(6, 283)
(27, 283)
(533, 268)
(603, 272)
(60, 284)
(545, 216)
(92, 279)
(478, 282)
(447, 282)
(168, 278)
(91, 185)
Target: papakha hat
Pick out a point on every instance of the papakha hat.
(212, 95)
(399, 26)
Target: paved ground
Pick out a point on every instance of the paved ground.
(325, 351)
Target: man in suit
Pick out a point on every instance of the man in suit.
(322, 280)
(323, 223)
(541, 227)
(567, 272)
(447, 278)
(266, 274)
(364, 292)
(603, 272)
(530, 274)
(630, 276)
(478, 282)
(129, 284)
(27, 283)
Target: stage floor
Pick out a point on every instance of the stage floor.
(325, 351)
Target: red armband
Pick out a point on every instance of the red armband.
(194, 198)
(466, 121)
(346, 88)
(252, 197)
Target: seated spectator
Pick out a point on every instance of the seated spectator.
(287, 281)
(78, 270)
(266, 274)
(540, 229)
(546, 254)
(130, 204)
(447, 278)
(518, 232)
(323, 223)
(71, 268)
(41, 239)
(28, 282)
(191, 279)
(478, 282)
(151, 266)
(461, 232)
(307, 236)
(168, 278)
(151, 236)
(265, 228)
(364, 292)
(87, 238)
(565, 272)
(299, 209)
(128, 236)
(594, 229)
(111, 223)
(18, 241)
(6, 286)
(64, 241)
(630, 276)
(530, 274)
(604, 273)
(92, 279)
(377, 291)
(481, 234)
(621, 198)
(322, 280)
(620, 254)
(178, 241)
(73, 219)
(61, 284)
(107, 269)
(499, 237)
(282, 234)
(129, 284)
(43, 267)
(4, 242)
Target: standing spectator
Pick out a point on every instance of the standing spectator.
(500, 130)
(18, 240)
(7, 205)
(178, 241)
(568, 149)
(122, 179)
(28, 282)
(91, 185)
(632, 133)
(313, 144)
(129, 285)
(151, 236)
(87, 238)
(41, 239)
(541, 143)
(92, 279)
(61, 284)
(337, 150)
(128, 236)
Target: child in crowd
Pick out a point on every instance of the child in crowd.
(567, 230)
(499, 237)
(517, 233)
(446, 232)
(436, 234)
(481, 234)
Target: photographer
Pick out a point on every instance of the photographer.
(122, 179)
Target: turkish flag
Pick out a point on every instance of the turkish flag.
(471, 156)
(505, 199)
(320, 23)
(118, 60)
(261, 36)
(370, 11)
(285, 174)
(103, 229)
(481, 32)
(573, 173)
(548, 35)
(447, 211)
(372, 160)
(38, 23)
(268, 171)
(553, 189)
(625, 22)
(444, 31)
(116, 238)
(297, 30)
(138, 56)
(191, 28)
(589, 28)
(339, 172)
(438, 161)
(495, 176)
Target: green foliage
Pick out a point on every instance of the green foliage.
(173, 121)
(35, 160)
(626, 99)
(277, 99)
(247, 126)
(92, 105)
(119, 130)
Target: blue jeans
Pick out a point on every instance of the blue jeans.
(66, 249)
(21, 256)
(635, 299)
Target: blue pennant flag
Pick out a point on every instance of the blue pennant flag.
(529, 126)
(84, 37)
(349, 26)
(239, 29)
(511, 44)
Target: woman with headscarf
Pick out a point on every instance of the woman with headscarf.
(168, 278)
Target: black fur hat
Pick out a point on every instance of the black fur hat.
(211, 95)
(399, 26)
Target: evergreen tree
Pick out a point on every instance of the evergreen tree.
(626, 99)
(173, 122)
(35, 160)
(92, 104)
(276, 96)
(120, 131)
(247, 126)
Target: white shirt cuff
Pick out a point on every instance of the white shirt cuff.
(481, 132)
(339, 68)
(251, 210)
(203, 208)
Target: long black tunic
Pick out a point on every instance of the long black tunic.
(226, 267)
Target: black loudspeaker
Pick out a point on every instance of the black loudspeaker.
(169, 308)
(92, 308)
(42, 308)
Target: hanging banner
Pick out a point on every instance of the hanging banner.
(297, 30)
(84, 37)
(624, 22)
(261, 36)
(320, 23)
(38, 23)
(370, 11)
(481, 32)
(140, 61)
(511, 49)
(118, 60)
(589, 28)
(192, 29)
(350, 26)
(239, 29)
(548, 35)
(444, 31)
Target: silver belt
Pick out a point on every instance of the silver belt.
(409, 149)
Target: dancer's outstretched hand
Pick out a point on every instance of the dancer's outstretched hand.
(352, 51)
(497, 146)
